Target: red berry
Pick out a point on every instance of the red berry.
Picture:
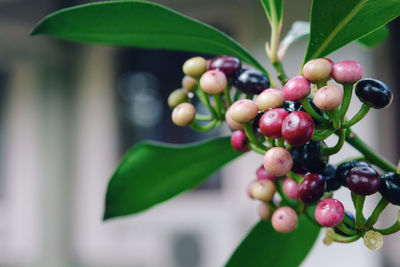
(311, 188)
(329, 212)
(262, 174)
(227, 64)
(297, 128)
(347, 72)
(284, 220)
(278, 161)
(239, 141)
(363, 180)
(296, 88)
(290, 188)
(271, 122)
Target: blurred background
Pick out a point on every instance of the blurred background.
(68, 112)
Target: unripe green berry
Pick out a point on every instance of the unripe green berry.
(213, 82)
(317, 70)
(329, 97)
(263, 190)
(243, 111)
(177, 97)
(183, 114)
(189, 83)
(270, 98)
(195, 66)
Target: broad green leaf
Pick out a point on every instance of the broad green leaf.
(139, 24)
(263, 246)
(337, 23)
(272, 8)
(153, 172)
(374, 38)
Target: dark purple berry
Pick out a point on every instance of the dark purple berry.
(297, 167)
(311, 188)
(227, 64)
(332, 184)
(390, 187)
(363, 180)
(344, 167)
(251, 81)
(311, 156)
(374, 93)
(256, 121)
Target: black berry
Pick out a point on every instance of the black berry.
(311, 188)
(251, 81)
(344, 167)
(374, 93)
(311, 156)
(332, 184)
(363, 180)
(390, 187)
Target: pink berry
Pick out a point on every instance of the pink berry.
(296, 88)
(262, 174)
(284, 220)
(317, 70)
(330, 61)
(270, 98)
(290, 188)
(232, 124)
(347, 72)
(329, 212)
(243, 111)
(239, 141)
(328, 97)
(213, 82)
(298, 128)
(263, 190)
(271, 122)
(278, 161)
(264, 211)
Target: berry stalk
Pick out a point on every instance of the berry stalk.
(383, 203)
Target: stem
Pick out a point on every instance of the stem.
(201, 117)
(333, 150)
(375, 159)
(348, 221)
(390, 230)
(219, 106)
(347, 93)
(205, 100)
(310, 110)
(377, 211)
(342, 227)
(237, 95)
(345, 239)
(252, 138)
(249, 96)
(257, 149)
(359, 116)
(322, 135)
(359, 205)
(280, 72)
(202, 128)
(297, 178)
(334, 117)
(272, 142)
(227, 95)
(281, 142)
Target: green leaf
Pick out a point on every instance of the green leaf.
(272, 8)
(153, 172)
(265, 247)
(335, 24)
(140, 24)
(374, 38)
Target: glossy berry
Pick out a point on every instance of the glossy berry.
(213, 82)
(262, 174)
(189, 83)
(347, 72)
(374, 93)
(343, 168)
(317, 70)
(231, 123)
(263, 190)
(277, 161)
(177, 97)
(297, 128)
(329, 212)
(290, 188)
(284, 220)
(329, 60)
(271, 122)
(251, 81)
(270, 98)
(291, 106)
(239, 141)
(183, 114)
(250, 188)
(195, 66)
(311, 188)
(349, 216)
(332, 184)
(264, 211)
(296, 88)
(227, 64)
(390, 187)
(363, 180)
(243, 111)
(256, 121)
(297, 166)
(311, 156)
(329, 97)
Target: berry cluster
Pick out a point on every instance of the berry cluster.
(288, 127)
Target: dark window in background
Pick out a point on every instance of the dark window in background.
(3, 95)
